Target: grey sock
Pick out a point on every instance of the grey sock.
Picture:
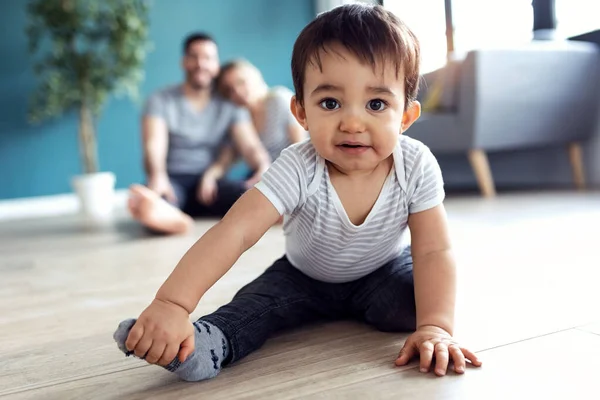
(211, 348)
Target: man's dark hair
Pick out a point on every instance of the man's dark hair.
(196, 37)
(372, 33)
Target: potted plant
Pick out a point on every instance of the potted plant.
(86, 50)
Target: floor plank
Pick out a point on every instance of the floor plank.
(592, 328)
(559, 366)
(290, 361)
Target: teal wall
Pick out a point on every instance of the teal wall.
(40, 160)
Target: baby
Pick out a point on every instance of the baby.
(363, 209)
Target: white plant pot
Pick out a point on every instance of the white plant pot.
(96, 193)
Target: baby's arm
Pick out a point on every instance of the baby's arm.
(434, 269)
(164, 330)
(434, 272)
(216, 252)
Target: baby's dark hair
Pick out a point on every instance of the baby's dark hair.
(374, 34)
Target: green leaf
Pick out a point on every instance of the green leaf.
(95, 50)
(85, 51)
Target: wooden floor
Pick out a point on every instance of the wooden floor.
(528, 304)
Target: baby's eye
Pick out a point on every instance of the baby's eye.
(330, 104)
(377, 105)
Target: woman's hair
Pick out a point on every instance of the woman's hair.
(237, 63)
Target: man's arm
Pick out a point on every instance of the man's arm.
(207, 189)
(434, 269)
(155, 140)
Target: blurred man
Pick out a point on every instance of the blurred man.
(185, 128)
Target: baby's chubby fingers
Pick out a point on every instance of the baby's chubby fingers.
(155, 352)
(135, 334)
(168, 355)
(143, 346)
(471, 357)
(458, 358)
(441, 358)
(426, 355)
(406, 353)
(186, 348)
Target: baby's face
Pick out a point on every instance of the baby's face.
(354, 112)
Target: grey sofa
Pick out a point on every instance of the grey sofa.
(542, 94)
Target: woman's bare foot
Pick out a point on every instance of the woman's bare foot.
(155, 213)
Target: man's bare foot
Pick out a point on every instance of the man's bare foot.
(155, 213)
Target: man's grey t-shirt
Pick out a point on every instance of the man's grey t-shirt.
(195, 137)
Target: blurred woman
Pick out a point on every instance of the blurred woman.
(242, 83)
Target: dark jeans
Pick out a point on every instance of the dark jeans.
(186, 187)
(283, 298)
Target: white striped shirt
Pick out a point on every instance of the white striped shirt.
(321, 241)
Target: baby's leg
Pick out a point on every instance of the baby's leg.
(385, 298)
(282, 297)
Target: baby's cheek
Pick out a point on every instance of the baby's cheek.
(321, 131)
(389, 141)
(321, 141)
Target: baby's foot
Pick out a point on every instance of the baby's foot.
(211, 348)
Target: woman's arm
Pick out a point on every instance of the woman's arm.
(250, 147)
(219, 168)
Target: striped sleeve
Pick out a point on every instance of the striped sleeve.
(284, 183)
(425, 183)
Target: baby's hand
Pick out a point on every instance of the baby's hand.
(162, 332)
(431, 340)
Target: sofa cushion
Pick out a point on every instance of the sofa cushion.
(442, 92)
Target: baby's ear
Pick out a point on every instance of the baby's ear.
(412, 113)
(299, 112)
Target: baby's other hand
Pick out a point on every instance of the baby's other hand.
(430, 342)
(162, 332)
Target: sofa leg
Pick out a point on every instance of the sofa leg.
(576, 158)
(481, 167)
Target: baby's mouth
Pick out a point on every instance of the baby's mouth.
(353, 148)
(352, 145)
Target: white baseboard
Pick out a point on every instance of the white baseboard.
(49, 206)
